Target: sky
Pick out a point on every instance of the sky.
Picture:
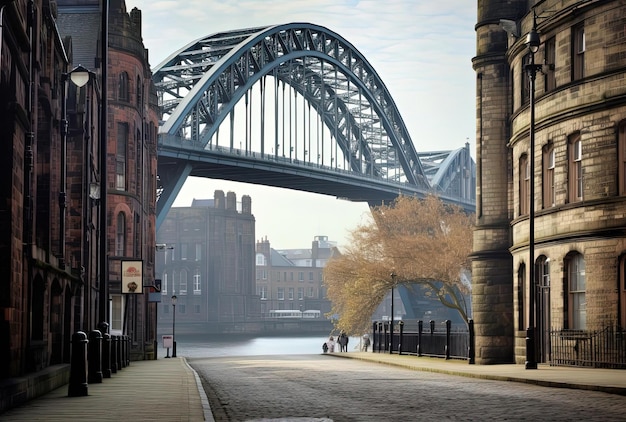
(421, 49)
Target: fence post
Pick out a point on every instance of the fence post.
(401, 324)
(432, 327)
(380, 336)
(420, 330)
(448, 327)
(385, 327)
(374, 325)
(471, 353)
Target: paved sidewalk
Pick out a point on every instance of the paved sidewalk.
(169, 390)
(155, 390)
(611, 381)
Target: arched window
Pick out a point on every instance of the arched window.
(122, 87)
(120, 235)
(524, 185)
(575, 305)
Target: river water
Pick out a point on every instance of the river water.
(196, 346)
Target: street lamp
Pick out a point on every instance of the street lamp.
(532, 42)
(174, 298)
(393, 285)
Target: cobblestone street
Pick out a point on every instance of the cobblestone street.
(320, 387)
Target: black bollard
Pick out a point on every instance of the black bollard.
(78, 366)
(114, 354)
(118, 355)
(123, 351)
(471, 353)
(127, 354)
(106, 349)
(94, 357)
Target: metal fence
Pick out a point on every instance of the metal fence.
(434, 340)
(605, 348)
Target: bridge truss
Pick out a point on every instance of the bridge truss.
(294, 106)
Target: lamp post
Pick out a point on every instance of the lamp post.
(532, 42)
(174, 298)
(393, 285)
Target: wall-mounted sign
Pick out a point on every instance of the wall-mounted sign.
(132, 277)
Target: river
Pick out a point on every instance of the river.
(196, 346)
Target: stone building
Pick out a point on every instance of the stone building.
(52, 210)
(206, 259)
(292, 279)
(579, 178)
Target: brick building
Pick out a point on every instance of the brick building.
(579, 179)
(206, 260)
(51, 212)
(292, 279)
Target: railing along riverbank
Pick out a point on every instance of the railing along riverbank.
(435, 340)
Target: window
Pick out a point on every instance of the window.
(578, 52)
(174, 281)
(260, 259)
(550, 61)
(196, 309)
(183, 282)
(524, 185)
(575, 182)
(198, 252)
(197, 289)
(122, 87)
(139, 93)
(164, 284)
(622, 291)
(139, 168)
(549, 191)
(120, 235)
(120, 156)
(291, 292)
(301, 276)
(117, 310)
(310, 275)
(137, 236)
(280, 293)
(183, 252)
(521, 303)
(621, 156)
(311, 292)
(263, 292)
(525, 85)
(300, 293)
(576, 305)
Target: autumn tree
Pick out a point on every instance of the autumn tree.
(422, 241)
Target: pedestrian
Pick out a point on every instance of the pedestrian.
(330, 344)
(366, 342)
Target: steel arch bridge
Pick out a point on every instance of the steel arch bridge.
(293, 106)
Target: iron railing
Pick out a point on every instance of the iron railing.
(604, 348)
(436, 341)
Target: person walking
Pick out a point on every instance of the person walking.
(366, 342)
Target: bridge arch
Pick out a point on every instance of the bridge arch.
(201, 84)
